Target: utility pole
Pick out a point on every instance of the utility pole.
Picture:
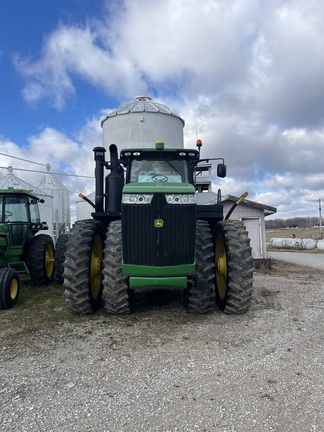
(320, 216)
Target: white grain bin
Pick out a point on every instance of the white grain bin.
(10, 180)
(140, 123)
(60, 222)
(84, 209)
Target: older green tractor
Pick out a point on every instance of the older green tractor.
(23, 254)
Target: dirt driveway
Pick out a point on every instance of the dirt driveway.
(162, 369)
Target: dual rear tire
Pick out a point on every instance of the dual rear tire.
(233, 267)
(82, 267)
(224, 269)
(85, 282)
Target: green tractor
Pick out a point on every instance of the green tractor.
(147, 232)
(23, 254)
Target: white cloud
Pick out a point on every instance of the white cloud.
(71, 159)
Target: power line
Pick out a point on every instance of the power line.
(25, 160)
(43, 172)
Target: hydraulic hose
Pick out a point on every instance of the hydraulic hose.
(236, 204)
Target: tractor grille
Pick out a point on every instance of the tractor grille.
(172, 244)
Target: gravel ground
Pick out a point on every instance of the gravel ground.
(162, 369)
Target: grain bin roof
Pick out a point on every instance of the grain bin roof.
(11, 180)
(48, 181)
(142, 104)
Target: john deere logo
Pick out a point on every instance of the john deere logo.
(158, 223)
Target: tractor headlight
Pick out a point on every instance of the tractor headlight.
(137, 198)
(181, 198)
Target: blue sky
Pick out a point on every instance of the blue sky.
(24, 27)
(247, 74)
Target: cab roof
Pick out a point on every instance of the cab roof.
(16, 191)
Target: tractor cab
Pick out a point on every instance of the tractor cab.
(19, 215)
(159, 165)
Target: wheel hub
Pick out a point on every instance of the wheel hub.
(13, 289)
(49, 261)
(95, 271)
(221, 265)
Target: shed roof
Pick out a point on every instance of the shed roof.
(268, 210)
(210, 198)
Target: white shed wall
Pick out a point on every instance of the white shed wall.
(253, 220)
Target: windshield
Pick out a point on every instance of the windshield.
(154, 170)
(17, 208)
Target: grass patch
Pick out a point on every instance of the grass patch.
(38, 306)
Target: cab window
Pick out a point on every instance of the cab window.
(34, 211)
(153, 170)
(16, 209)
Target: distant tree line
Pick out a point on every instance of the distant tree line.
(300, 222)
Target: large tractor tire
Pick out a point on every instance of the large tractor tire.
(233, 267)
(60, 249)
(40, 259)
(82, 267)
(116, 294)
(9, 287)
(200, 296)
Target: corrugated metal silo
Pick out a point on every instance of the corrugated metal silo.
(60, 222)
(10, 180)
(140, 123)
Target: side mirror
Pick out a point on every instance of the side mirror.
(221, 170)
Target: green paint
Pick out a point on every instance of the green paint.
(158, 283)
(158, 271)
